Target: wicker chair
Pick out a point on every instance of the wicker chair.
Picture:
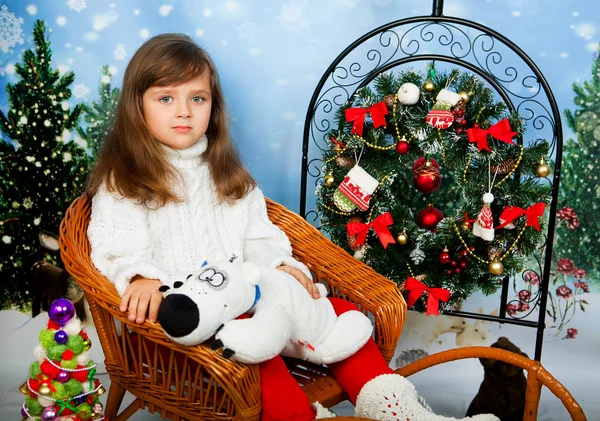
(196, 383)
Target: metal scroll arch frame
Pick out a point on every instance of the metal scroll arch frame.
(553, 118)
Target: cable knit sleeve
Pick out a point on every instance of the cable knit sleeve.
(264, 243)
(120, 240)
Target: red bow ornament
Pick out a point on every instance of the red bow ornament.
(501, 131)
(357, 116)
(532, 213)
(380, 225)
(434, 295)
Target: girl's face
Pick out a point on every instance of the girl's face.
(178, 115)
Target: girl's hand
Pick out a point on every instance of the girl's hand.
(303, 279)
(141, 296)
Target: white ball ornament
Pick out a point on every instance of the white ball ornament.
(38, 353)
(409, 94)
(84, 358)
(73, 326)
(488, 198)
(44, 402)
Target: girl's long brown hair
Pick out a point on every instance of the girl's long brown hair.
(132, 162)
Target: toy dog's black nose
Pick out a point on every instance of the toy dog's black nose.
(178, 315)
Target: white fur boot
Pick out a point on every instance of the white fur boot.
(322, 412)
(391, 397)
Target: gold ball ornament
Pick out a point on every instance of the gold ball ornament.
(24, 389)
(402, 238)
(101, 390)
(464, 95)
(542, 169)
(329, 180)
(429, 86)
(87, 344)
(496, 267)
(44, 390)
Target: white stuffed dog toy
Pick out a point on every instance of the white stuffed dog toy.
(286, 319)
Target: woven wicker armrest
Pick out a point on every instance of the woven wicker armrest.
(345, 276)
(537, 376)
(132, 350)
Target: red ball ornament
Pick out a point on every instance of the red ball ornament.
(403, 147)
(422, 161)
(427, 178)
(476, 125)
(457, 270)
(459, 130)
(449, 272)
(463, 265)
(444, 257)
(429, 217)
(453, 263)
(464, 254)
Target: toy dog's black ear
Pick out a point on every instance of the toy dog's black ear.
(189, 276)
(177, 284)
(164, 288)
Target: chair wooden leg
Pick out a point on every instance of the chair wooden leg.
(113, 402)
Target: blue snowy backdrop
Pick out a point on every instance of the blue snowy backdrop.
(271, 54)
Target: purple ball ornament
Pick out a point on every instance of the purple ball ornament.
(48, 413)
(63, 376)
(61, 311)
(24, 413)
(61, 337)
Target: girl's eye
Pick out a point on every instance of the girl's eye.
(197, 99)
(165, 99)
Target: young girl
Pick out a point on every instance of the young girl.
(169, 187)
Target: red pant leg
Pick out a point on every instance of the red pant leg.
(366, 364)
(282, 397)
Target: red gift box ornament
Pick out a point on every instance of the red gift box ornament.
(357, 116)
(501, 131)
(434, 295)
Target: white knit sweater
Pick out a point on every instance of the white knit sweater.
(128, 239)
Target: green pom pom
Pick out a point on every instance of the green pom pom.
(75, 344)
(47, 338)
(90, 364)
(35, 370)
(33, 406)
(60, 393)
(70, 364)
(55, 351)
(85, 408)
(73, 387)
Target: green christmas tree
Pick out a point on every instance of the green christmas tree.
(99, 116)
(61, 384)
(43, 171)
(578, 232)
(407, 184)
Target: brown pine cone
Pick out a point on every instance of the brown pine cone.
(345, 162)
(389, 101)
(504, 167)
(351, 238)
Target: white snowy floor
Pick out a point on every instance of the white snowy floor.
(449, 388)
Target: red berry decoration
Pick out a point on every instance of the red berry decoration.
(403, 147)
(463, 265)
(429, 217)
(459, 130)
(449, 272)
(453, 263)
(444, 257)
(457, 270)
(427, 177)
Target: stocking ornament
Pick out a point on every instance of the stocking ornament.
(440, 116)
(483, 227)
(355, 191)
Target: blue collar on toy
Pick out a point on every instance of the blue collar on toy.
(256, 297)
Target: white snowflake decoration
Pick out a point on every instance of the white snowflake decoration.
(27, 203)
(247, 30)
(77, 5)
(120, 52)
(10, 30)
(80, 91)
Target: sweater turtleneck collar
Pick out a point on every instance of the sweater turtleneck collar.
(189, 157)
